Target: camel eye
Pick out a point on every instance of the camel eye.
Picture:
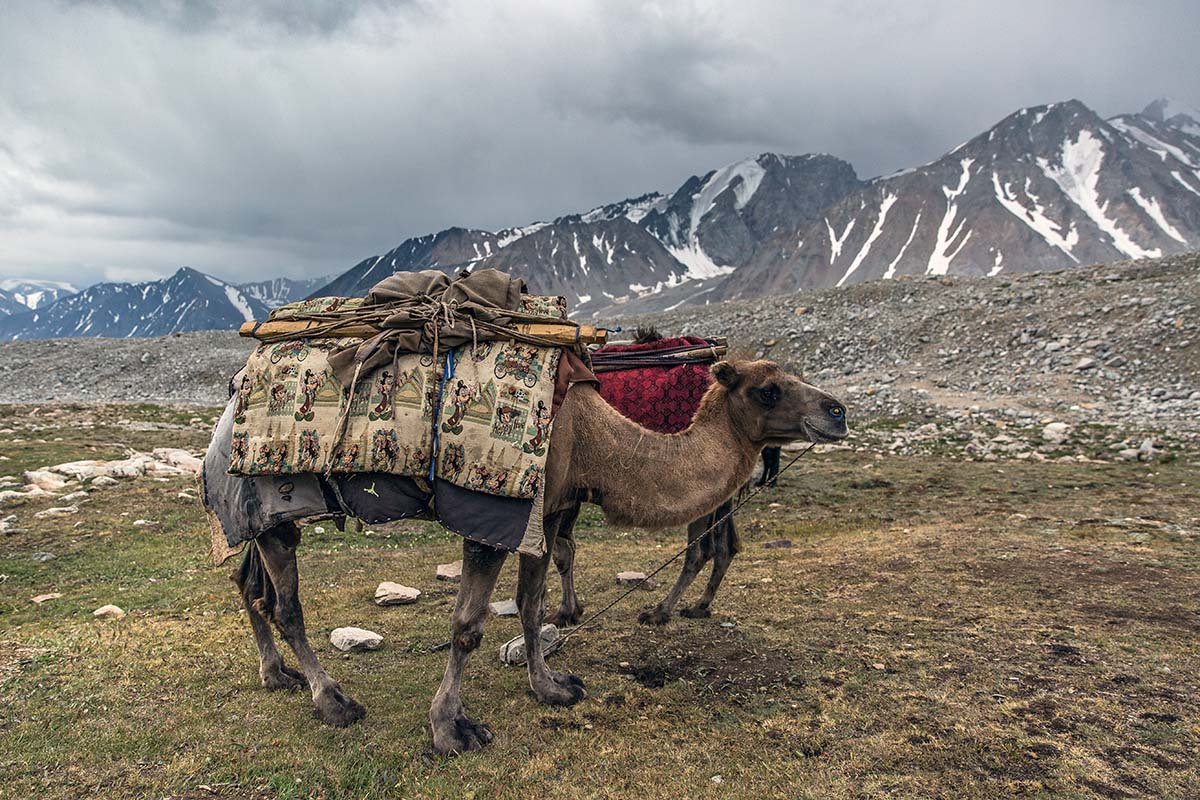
(768, 395)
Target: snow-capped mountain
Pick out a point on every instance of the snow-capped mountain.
(280, 291)
(1050, 186)
(186, 301)
(1047, 187)
(653, 246)
(18, 296)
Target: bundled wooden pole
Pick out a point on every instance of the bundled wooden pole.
(276, 330)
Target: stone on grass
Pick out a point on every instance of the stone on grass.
(777, 543)
(1147, 451)
(395, 594)
(109, 612)
(104, 480)
(11, 497)
(355, 639)
(43, 557)
(512, 652)
(630, 578)
(450, 572)
(41, 598)
(44, 479)
(8, 524)
(59, 511)
(144, 523)
(1056, 432)
(505, 608)
(74, 497)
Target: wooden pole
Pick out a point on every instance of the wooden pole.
(286, 328)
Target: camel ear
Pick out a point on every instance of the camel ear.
(726, 374)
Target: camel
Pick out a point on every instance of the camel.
(718, 544)
(637, 477)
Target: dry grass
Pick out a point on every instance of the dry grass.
(938, 629)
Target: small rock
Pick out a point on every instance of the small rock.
(451, 572)
(60, 511)
(318, 529)
(717, 779)
(777, 543)
(43, 557)
(395, 594)
(41, 598)
(505, 608)
(74, 497)
(800, 311)
(728, 624)
(109, 612)
(630, 577)
(512, 652)
(144, 523)
(1129, 454)
(1147, 451)
(354, 639)
(1056, 432)
(1085, 363)
(104, 480)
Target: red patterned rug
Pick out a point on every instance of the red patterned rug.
(662, 398)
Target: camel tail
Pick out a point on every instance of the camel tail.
(254, 582)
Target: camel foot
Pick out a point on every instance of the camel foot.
(563, 689)
(563, 617)
(654, 616)
(695, 612)
(336, 709)
(282, 678)
(459, 734)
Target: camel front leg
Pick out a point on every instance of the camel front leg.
(452, 730)
(277, 548)
(258, 595)
(553, 688)
(726, 546)
(570, 610)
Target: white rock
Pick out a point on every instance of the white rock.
(144, 523)
(41, 598)
(512, 652)
(11, 497)
(60, 511)
(44, 479)
(74, 496)
(175, 457)
(1056, 432)
(109, 612)
(348, 639)
(631, 577)
(104, 480)
(450, 572)
(395, 594)
(505, 608)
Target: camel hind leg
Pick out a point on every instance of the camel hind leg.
(258, 596)
(277, 549)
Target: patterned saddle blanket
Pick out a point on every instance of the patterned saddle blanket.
(663, 398)
(479, 418)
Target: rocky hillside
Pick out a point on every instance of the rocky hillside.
(1114, 346)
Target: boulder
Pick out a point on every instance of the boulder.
(395, 594)
(41, 598)
(354, 639)
(1056, 432)
(44, 479)
(109, 612)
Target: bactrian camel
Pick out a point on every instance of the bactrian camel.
(639, 478)
(713, 538)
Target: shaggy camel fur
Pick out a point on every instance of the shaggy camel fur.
(719, 546)
(638, 478)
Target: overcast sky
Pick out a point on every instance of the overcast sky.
(299, 137)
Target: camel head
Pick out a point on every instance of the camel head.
(773, 407)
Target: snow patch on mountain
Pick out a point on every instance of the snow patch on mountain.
(1035, 217)
(940, 258)
(1078, 176)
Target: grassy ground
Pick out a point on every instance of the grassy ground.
(939, 629)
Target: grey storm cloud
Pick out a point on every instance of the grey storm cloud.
(253, 139)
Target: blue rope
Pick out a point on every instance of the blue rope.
(447, 374)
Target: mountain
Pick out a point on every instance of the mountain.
(1047, 187)
(19, 296)
(276, 292)
(655, 245)
(186, 301)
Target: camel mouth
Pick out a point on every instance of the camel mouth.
(818, 436)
